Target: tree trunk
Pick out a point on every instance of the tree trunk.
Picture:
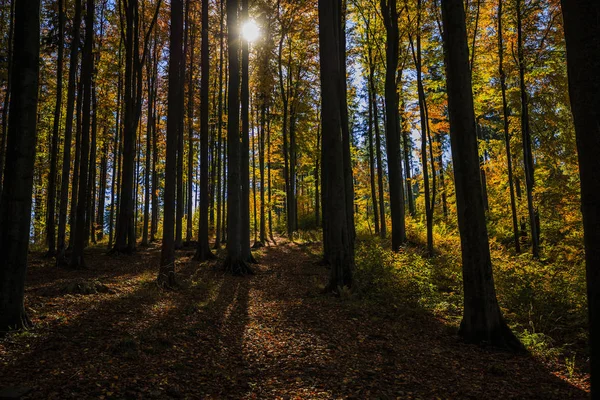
(339, 250)
(102, 190)
(203, 251)
(5, 105)
(190, 166)
(245, 146)
(582, 27)
(372, 164)
(220, 128)
(525, 131)
(513, 203)
(15, 203)
(235, 262)
(390, 15)
(166, 273)
(482, 319)
(87, 66)
(51, 209)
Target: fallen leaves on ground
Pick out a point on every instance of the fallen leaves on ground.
(108, 332)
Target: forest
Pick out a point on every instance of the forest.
(299, 199)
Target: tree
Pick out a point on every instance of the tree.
(235, 262)
(339, 251)
(203, 251)
(513, 205)
(526, 134)
(390, 17)
(66, 166)
(582, 35)
(51, 211)
(166, 273)
(15, 203)
(482, 319)
(87, 66)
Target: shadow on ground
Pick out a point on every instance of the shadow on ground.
(272, 335)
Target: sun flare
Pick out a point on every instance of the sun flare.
(250, 31)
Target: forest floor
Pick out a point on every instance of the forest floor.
(109, 332)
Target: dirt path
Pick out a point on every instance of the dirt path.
(272, 335)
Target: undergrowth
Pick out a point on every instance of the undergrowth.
(543, 300)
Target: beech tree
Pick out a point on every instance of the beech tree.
(203, 251)
(482, 320)
(339, 251)
(582, 35)
(166, 273)
(15, 203)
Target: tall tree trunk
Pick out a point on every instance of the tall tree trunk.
(220, 127)
(51, 209)
(383, 230)
(582, 35)
(339, 251)
(235, 262)
(102, 189)
(190, 166)
(513, 203)
(76, 163)
(390, 14)
(372, 164)
(407, 149)
(15, 203)
(166, 273)
(482, 319)
(525, 131)
(245, 146)
(87, 66)
(203, 251)
(261, 166)
(148, 158)
(116, 150)
(5, 106)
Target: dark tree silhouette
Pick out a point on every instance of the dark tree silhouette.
(15, 203)
(166, 273)
(482, 319)
(337, 237)
(582, 35)
(203, 251)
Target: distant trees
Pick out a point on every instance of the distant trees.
(482, 319)
(582, 35)
(16, 199)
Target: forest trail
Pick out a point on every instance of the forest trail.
(267, 336)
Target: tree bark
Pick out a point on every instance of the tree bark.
(166, 273)
(203, 251)
(51, 208)
(15, 203)
(390, 14)
(87, 66)
(513, 203)
(582, 35)
(339, 250)
(526, 134)
(482, 319)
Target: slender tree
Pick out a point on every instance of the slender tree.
(15, 203)
(526, 135)
(203, 251)
(235, 262)
(166, 273)
(582, 35)
(390, 16)
(51, 209)
(482, 319)
(87, 66)
(513, 203)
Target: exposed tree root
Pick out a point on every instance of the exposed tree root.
(204, 255)
(237, 267)
(258, 245)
